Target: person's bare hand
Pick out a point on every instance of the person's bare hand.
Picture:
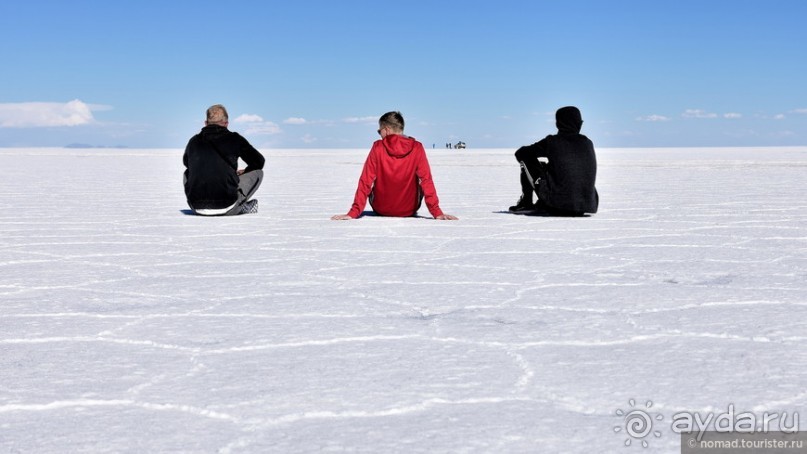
(341, 217)
(447, 217)
(240, 172)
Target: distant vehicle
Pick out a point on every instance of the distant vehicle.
(459, 145)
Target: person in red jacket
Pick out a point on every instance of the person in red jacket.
(396, 176)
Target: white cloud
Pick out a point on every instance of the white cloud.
(46, 114)
(732, 115)
(653, 117)
(799, 111)
(365, 120)
(308, 138)
(263, 128)
(779, 117)
(255, 124)
(698, 113)
(295, 121)
(248, 118)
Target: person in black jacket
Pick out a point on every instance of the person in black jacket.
(213, 183)
(565, 184)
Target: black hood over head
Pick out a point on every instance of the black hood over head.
(568, 120)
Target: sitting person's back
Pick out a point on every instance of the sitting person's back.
(396, 189)
(566, 183)
(213, 183)
(396, 176)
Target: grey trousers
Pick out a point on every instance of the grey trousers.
(248, 183)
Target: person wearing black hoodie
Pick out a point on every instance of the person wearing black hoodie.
(214, 185)
(565, 184)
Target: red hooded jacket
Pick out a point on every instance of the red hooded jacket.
(392, 171)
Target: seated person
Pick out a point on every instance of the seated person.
(214, 185)
(396, 175)
(565, 184)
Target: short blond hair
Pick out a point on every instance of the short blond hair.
(393, 120)
(217, 114)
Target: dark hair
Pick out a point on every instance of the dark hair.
(393, 120)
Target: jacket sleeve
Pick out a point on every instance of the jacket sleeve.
(187, 150)
(187, 170)
(537, 150)
(424, 174)
(368, 175)
(252, 157)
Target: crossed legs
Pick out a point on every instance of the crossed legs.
(248, 183)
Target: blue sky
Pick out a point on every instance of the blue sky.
(319, 73)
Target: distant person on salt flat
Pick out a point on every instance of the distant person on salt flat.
(214, 185)
(396, 176)
(565, 184)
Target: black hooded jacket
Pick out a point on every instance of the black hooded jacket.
(211, 161)
(568, 184)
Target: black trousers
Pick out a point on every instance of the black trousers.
(533, 172)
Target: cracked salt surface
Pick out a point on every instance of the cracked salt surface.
(128, 326)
